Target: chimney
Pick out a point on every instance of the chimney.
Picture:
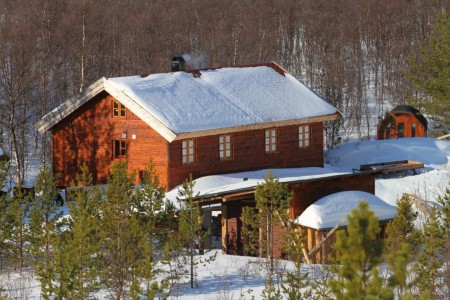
(178, 64)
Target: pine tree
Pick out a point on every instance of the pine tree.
(358, 254)
(398, 263)
(271, 210)
(83, 243)
(42, 225)
(402, 229)
(16, 213)
(430, 261)
(118, 230)
(430, 73)
(189, 226)
(150, 209)
(444, 201)
(296, 285)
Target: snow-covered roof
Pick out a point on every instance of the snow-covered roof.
(210, 186)
(206, 100)
(326, 212)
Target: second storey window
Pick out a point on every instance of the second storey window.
(271, 140)
(225, 146)
(119, 148)
(118, 109)
(188, 151)
(303, 136)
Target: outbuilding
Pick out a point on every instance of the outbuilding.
(401, 122)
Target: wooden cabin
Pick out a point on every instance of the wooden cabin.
(321, 220)
(199, 122)
(403, 121)
(235, 191)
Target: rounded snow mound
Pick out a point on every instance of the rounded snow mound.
(326, 212)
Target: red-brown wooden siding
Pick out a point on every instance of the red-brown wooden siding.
(86, 136)
(249, 153)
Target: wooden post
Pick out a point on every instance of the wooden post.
(224, 229)
(201, 246)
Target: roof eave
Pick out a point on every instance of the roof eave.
(68, 107)
(196, 134)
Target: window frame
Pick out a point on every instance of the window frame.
(188, 156)
(271, 140)
(304, 136)
(122, 147)
(120, 109)
(226, 146)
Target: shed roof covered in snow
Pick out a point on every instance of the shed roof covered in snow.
(201, 102)
(328, 211)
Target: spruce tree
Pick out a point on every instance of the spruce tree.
(43, 219)
(358, 254)
(430, 72)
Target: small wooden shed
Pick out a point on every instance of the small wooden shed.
(321, 220)
(401, 122)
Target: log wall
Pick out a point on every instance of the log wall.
(249, 154)
(86, 136)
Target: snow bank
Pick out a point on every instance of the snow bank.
(428, 184)
(222, 98)
(328, 211)
(430, 151)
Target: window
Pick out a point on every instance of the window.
(225, 147)
(303, 136)
(119, 148)
(413, 130)
(271, 140)
(401, 130)
(118, 109)
(188, 151)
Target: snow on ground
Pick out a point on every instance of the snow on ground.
(428, 184)
(234, 277)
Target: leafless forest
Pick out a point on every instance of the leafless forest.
(351, 52)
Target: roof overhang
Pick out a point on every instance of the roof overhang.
(330, 117)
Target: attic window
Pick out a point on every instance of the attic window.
(119, 148)
(188, 151)
(303, 136)
(118, 109)
(271, 140)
